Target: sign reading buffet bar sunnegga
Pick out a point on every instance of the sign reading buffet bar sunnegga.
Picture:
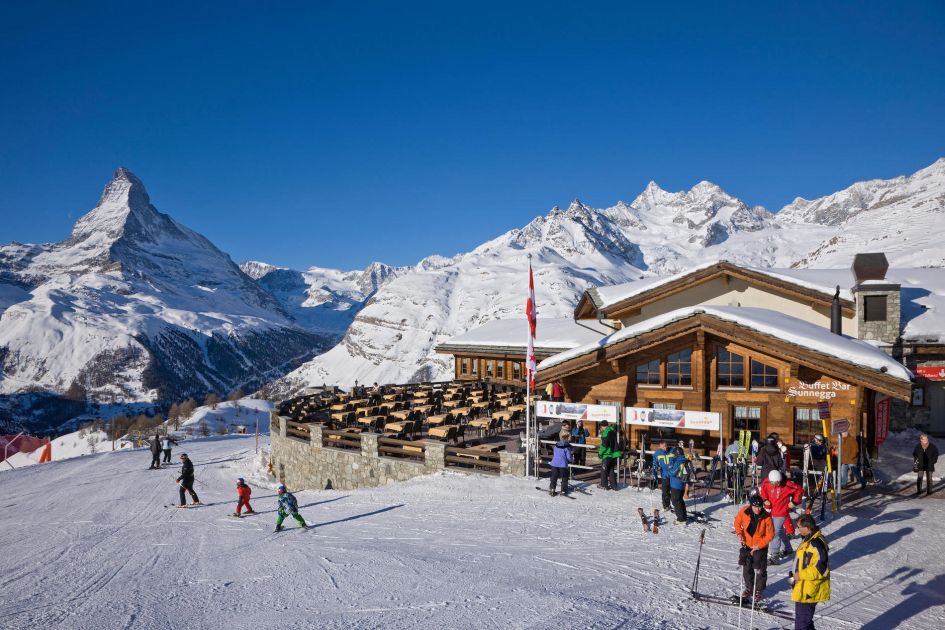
(675, 418)
(822, 390)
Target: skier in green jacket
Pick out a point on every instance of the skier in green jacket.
(609, 454)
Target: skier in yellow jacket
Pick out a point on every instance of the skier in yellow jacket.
(811, 576)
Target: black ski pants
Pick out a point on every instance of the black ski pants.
(562, 474)
(679, 505)
(749, 561)
(167, 456)
(580, 455)
(664, 486)
(928, 481)
(155, 459)
(804, 616)
(608, 473)
(189, 487)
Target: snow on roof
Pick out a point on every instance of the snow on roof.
(779, 325)
(563, 333)
(923, 293)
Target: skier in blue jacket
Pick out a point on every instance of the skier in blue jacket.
(288, 505)
(677, 482)
(559, 463)
(661, 458)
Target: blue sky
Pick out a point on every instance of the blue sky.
(335, 134)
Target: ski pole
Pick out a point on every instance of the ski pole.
(754, 600)
(740, 592)
(695, 577)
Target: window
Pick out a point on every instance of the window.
(671, 406)
(464, 365)
(763, 376)
(747, 418)
(516, 371)
(475, 366)
(649, 373)
(679, 368)
(490, 368)
(806, 424)
(500, 369)
(874, 308)
(730, 369)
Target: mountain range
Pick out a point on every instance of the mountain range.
(135, 307)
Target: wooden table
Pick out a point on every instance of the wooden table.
(391, 396)
(372, 420)
(341, 407)
(389, 406)
(450, 404)
(441, 432)
(502, 415)
(504, 395)
(400, 415)
(480, 405)
(423, 409)
(481, 423)
(367, 411)
(516, 408)
(439, 419)
(340, 417)
(461, 411)
(484, 449)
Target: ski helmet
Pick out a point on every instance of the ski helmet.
(240, 480)
(818, 438)
(774, 476)
(756, 500)
(677, 450)
(280, 489)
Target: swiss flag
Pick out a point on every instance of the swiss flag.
(532, 314)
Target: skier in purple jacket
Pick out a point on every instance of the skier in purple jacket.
(559, 463)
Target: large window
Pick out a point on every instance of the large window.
(679, 368)
(649, 373)
(500, 369)
(746, 418)
(806, 424)
(464, 365)
(763, 376)
(490, 368)
(730, 369)
(516, 371)
(475, 366)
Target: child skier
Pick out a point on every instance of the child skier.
(244, 492)
(780, 498)
(559, 463)
(288, 505)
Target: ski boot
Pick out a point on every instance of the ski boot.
(279, 528)
(553, 493)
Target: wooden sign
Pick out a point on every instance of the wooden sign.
(840, 425)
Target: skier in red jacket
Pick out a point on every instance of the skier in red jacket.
(780, 496)
(244, 491)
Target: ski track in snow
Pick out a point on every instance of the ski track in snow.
(90, 545)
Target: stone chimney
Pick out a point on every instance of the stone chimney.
(877, 300)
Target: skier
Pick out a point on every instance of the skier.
(579, 435)
(780, 497)
(785, 457)
(186, 480)
(850, 461)
(288, 505)
(818, 463)
(155, 453)
(924, 458)
(769, 457)
(755, 531)
(677, 483)
(609, 454)
(559, 463)
(167, 448)
(244, 492)
(661, 458)
(811, 575)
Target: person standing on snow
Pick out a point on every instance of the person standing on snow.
(811, 575)
(244, 492)
(609, 455)
(924, 457)
(288, 505)
(769, 457)
(661, 457)
(155, 452)
(167, 448)
(559, 463)
(186, 481)
(754, 529)
(579, 435)
(780, 497)
(677, 483)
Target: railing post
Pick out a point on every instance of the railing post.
(279, 421)
(434, 455)
(315, 435)
(369, 445)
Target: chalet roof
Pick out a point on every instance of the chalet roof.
(922, 291)
(511, 335)
(770, 323)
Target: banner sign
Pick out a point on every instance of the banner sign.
(817, 389)
(823, 409)
(881, 411)
(931, 373)
(575, 411)
(676, 418)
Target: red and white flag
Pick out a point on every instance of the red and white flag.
(531, 313)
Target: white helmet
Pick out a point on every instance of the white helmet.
(774, 476)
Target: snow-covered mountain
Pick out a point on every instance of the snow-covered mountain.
(322, 300)
(659, 232)
(134, 307)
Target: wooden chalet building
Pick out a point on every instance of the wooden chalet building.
(755, 345)
(495, 351)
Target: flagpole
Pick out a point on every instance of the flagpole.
(528, 391)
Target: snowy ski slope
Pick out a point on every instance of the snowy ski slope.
(88, 544)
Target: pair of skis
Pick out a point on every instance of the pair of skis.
(655, 527)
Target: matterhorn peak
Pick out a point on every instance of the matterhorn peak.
(124, 198)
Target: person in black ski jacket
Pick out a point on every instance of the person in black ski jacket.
(186, 480)
(769, 457)
(155, 452)
(924, 457)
